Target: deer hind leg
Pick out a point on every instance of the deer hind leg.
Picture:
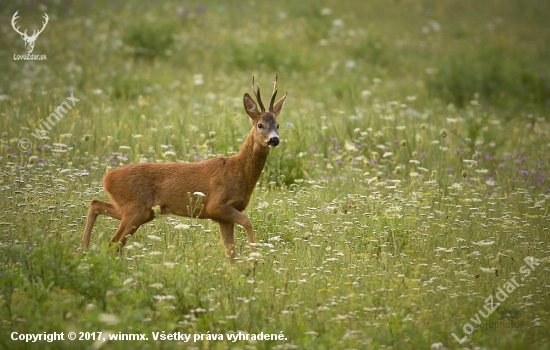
(98, 207)
(228, 238)
(129, 225)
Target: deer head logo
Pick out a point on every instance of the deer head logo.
(29, 40)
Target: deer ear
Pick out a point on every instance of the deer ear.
(250, 107)
(279, 105)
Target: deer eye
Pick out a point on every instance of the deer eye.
(260, 126)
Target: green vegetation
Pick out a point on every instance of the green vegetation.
(410, 184)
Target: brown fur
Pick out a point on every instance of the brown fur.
(226, 182)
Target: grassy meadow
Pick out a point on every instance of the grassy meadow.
(407, 206)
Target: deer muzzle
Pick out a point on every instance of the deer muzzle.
(273, 141)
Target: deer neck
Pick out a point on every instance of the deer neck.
(251, 159)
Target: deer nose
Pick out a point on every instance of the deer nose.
(274, 141)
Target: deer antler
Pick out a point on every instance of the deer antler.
(43, 26)
(34, 34)
(256, 89)
(274, 94)
(13, 19)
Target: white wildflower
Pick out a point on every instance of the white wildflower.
(484, 243)
(109, 319)
(198, 79)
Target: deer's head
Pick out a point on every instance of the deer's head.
(29, 40)
(264, 122)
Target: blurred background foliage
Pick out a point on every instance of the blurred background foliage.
(454, 49)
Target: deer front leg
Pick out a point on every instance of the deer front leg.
(228, 238)
(231, 215)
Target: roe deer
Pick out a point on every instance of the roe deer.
(227, 183)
